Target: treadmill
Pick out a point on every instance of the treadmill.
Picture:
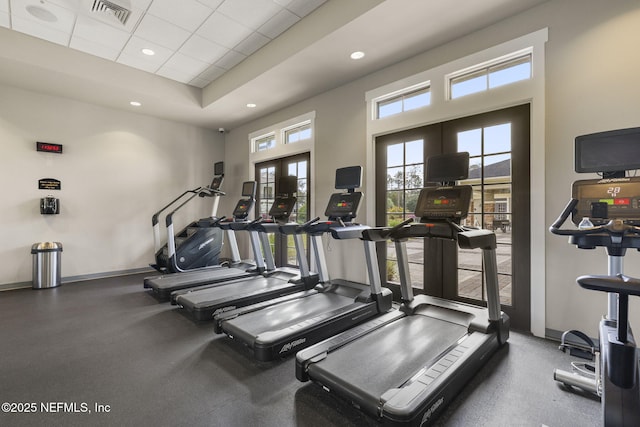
(406, 366)
(163, 285)
(281, 327)
(204, 302)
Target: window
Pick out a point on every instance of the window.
(527, 307)
(297, 133)
(267, 175)
(283, 139)
(404, 167)
(489, 150)
(498, 143)
(407, 101)
(263, 143)
(291, 152)
(490, 75)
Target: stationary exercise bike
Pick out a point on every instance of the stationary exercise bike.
(607, 213)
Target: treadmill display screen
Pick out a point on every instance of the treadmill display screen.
(242, 208)
(343, 205)
(443, 202)
(249, 189)
(282, 206)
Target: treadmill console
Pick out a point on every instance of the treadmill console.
(242, 208)
(602, 200)
(438, 203)
(343, 206)
(282, 208)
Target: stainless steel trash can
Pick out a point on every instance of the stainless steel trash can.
(47, 259)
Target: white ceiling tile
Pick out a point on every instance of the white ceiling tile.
(223, 30)
(95, 31)
(172, 74)
(136, 62)
(203, 49)
(140, 4)
(131, 54)
(161, 32)
(250, 13)
(304, 7)
(213, 4)
(62, 19)
(212, 73)
(283, 3)
(252, 43)
(186, 64)
(199, 82)
(4, 19)
(187, 14)
(230, 60)
(93, 48)
(278, 24)
(41, 31)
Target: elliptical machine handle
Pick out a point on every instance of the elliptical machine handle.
(568, 210)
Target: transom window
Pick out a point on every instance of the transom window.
(490, 75)
(264, 142)
(406, 101)
(298, 133)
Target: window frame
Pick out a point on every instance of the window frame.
(485, 68)
(401, 96)
(532, 91)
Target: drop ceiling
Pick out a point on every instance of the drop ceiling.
(213, 57)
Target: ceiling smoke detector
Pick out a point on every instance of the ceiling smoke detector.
(121, 13)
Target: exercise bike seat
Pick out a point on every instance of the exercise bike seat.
(619, 284)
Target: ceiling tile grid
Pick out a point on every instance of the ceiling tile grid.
(194, 41)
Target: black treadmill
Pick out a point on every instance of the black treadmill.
(407, 365)
(163, 285)
(202, 303)
(276, 330)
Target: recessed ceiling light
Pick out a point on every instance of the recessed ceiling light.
(148, 51)
(41, 13)
(135, 103)
(357, 55)
(251, 105)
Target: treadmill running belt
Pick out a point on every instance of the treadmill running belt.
(284, 315)
(386, 357)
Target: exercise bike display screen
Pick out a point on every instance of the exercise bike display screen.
(444, 202)
(606, 199)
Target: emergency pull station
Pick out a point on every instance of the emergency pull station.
(49, 205)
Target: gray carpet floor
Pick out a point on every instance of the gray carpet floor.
(105, 352)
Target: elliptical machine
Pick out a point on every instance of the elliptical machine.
(198, 244)
(607, 213)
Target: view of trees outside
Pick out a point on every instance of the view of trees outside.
(267, 194)
(300, 211)
(490, 177)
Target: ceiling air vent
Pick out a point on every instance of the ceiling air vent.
(104, 6)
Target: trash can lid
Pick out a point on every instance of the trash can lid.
(46, 247)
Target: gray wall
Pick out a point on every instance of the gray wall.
(117, 169)
(592, 67)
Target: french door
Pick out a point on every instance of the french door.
(267, 175)
(498, 144)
